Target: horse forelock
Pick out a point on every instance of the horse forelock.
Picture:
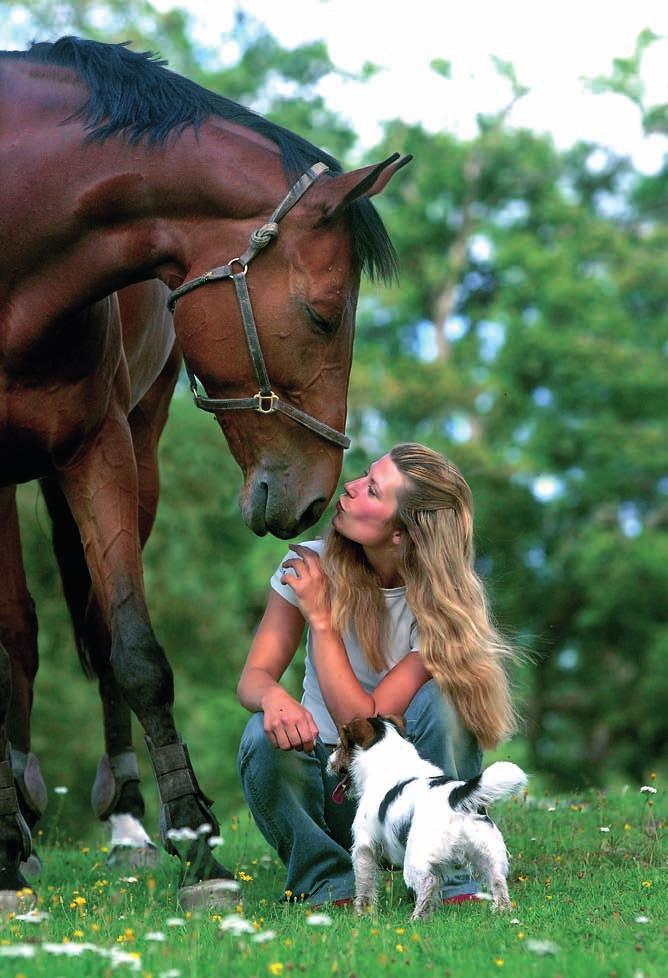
(134, 93)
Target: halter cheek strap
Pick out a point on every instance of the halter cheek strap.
(265, 401)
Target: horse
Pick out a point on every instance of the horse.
(123, 182)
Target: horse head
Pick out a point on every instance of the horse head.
(271, 339)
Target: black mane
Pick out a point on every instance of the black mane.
(135, 94)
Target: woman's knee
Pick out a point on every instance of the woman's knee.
(254, 745)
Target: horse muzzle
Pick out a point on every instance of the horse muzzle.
(270, 505)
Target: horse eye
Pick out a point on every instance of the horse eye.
(325, 326)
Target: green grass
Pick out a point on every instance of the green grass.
(572, 884)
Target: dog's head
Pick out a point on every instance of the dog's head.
(361, 734)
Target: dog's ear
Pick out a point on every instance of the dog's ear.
(398, 721)
(343, 737)
(360, 732)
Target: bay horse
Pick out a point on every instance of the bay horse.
(122, 181)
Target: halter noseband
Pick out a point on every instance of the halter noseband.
(265, 401)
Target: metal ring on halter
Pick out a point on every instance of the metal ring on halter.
(238, 261)
(261, 398)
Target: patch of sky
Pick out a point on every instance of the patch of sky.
(575, 473)
(535, 558)
(567, 189)
(530, 315)
(545, 488)
(425, 345)
(484, 402)
(568, 659)
(481, 248)
(458, 428)
(612, 206)
(373, 430)
(472, 282)
(484, 565)
(456, 327)
(491, 336)
(438, 210)
(512, 213)
(522, 434)
(630, 520)
(372, 308)
(662, 485)
(543, 396)
(598, 161)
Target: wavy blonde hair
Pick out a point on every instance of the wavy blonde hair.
(459, 643)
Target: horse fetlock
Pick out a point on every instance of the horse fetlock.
(30, 785)
(116, 786)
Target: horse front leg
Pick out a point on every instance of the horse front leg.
(102, 493)
(116, 796)
(19, 770)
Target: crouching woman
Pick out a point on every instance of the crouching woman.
(397, 623)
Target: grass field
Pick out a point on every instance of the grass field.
(588, 883)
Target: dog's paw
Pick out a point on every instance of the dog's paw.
(363, 907)
(501, 906)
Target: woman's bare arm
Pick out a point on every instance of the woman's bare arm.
(287, 724)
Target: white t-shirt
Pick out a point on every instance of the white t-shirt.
(402, 638)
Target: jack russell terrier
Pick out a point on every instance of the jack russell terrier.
(410, 812)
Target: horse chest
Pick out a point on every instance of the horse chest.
(55, 392)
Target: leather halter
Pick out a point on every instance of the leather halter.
(265, 401)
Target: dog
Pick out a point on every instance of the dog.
(409, 812)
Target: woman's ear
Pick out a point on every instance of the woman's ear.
(396, 538)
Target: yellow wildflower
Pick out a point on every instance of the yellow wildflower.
(275, 968)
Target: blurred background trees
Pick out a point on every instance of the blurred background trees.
(527, 339)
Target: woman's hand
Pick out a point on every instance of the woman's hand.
(309, 584)
(287, 724)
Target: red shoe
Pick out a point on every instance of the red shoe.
(463, 898)
(342, 902)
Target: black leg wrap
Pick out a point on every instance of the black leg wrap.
(176, 780)
(9, 805)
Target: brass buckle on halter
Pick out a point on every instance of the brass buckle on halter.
(266, 403)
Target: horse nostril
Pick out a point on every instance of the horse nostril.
(312, 513)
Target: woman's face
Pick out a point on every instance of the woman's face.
(367, 509)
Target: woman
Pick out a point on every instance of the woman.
(397, 623)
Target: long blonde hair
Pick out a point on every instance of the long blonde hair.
(459, 644)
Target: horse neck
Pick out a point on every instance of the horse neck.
(124, 212)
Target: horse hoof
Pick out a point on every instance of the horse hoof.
(17, 901)
(133, 857)
(210, 895)
(32, 867)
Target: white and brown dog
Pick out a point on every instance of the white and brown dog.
(410, 812)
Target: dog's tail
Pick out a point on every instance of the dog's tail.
(499, 780)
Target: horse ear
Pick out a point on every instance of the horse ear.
(339, 191)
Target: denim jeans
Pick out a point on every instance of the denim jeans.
(289, 794)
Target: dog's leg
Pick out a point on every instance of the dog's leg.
(365, 867)
(426, 886)
(499, 888)
(492, 862)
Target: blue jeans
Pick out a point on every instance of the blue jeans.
(289, 794)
